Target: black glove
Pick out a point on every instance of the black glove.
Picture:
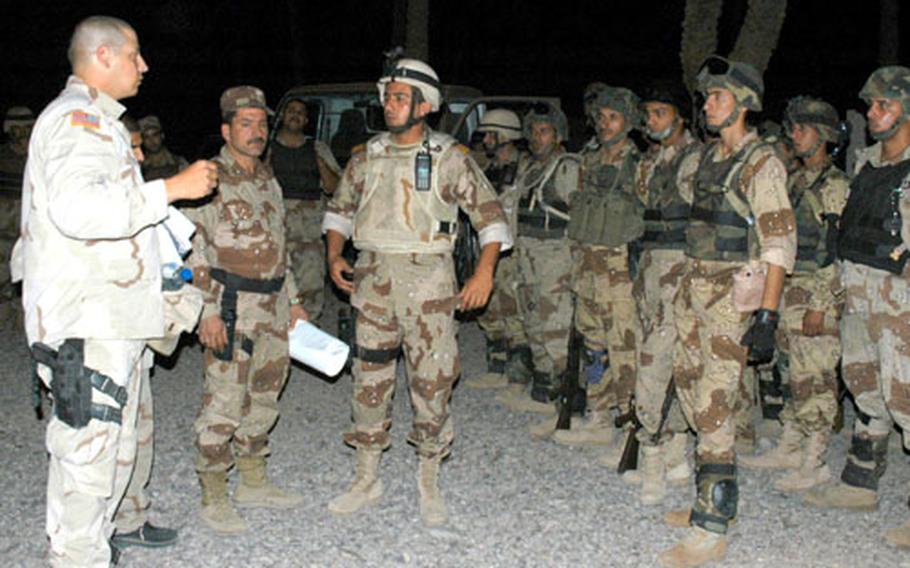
(759, 338)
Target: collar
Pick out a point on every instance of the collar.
(231, 165)
(102, 100)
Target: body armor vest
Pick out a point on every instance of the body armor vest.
(393, 216)
(871, 222)
(607, 212)
(167, 169)
(666, 213)
(816, 232)
(297, 170)
(533, 219)
(721, 225)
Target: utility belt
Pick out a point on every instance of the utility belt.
(72, 383)
(302, 194)
(541, 226)
(232, 284)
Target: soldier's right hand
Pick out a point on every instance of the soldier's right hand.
(213, 333)
(195, 182)
(341, 273)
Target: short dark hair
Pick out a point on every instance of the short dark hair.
(227, 117)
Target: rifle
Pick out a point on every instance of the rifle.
(568, 388)
(629, 459)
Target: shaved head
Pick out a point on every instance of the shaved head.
(94, 32)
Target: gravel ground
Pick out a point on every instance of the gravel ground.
(513, 501)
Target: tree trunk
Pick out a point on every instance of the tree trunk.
(758, 37)
(699, 36)
(888, 33)
(418, 21)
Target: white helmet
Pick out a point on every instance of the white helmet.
(503, 122)
(417, 74)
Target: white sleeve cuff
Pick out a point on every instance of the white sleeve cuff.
(496, 233)
(337, 223)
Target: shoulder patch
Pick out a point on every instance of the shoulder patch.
(463, 149)
(85, 119)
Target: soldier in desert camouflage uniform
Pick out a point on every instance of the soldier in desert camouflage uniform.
(240, 261)
(398, 200)
(661, 268)
(500, 320)
(159, 162)
(17, 126)
(740, 227)
(875, 327)
(809, 338)
(88, 258)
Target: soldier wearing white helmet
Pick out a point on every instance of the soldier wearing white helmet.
(399, 199)
(507, 343)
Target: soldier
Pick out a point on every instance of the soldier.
(399, 198)
(90, 309)
(159, 161)
(306, 170)
(740, 243)
(17, 126)
(544, 255)
(606, 216)
(507, 343)
(663, 262)
(809, 338)
(241, 262)
(873, 245)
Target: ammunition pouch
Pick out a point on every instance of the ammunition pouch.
(72, 383)
(717, 498)
(234, 283)
(611, 219)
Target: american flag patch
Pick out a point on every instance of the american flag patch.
(80, 118)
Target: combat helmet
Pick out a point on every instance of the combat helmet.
(813, 112)
(671, 93)
(503, 122)
(415, 73)
(740, 78)
(551, 115)
(889, 82)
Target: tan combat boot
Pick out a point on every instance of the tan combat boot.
(786, 455)
(899, 536)
(255, 489)
(697, 548)
(842, 496)
(813, 471)
(678, 519)
(488, 380)
(365, 490)
(596, 429)
(217, 511)
(653, 483)
(433, 510)
(543, 429)
(676, 461)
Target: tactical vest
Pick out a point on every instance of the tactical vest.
(297, 170)
(533, 219)
(607, 212)
(504, 182)
(502, 176)
(871, 221)
(816, 231)
(666, 213)
(394, 217)
(162, 171)
(721, 224)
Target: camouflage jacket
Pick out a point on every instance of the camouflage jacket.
(87, 257)
(241, 231)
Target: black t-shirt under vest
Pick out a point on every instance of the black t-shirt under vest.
(296, 170)
(871, 221)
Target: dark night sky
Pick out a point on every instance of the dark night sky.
(196, 49)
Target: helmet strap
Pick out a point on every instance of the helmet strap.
(416, 100)
(884, 135)
(728, 122)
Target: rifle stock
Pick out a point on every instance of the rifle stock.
(629, 459)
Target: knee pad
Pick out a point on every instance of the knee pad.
(718, 496)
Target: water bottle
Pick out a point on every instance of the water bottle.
(174, 275)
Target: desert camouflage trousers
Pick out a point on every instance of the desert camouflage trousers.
(133, 510)
(501, 319)
(607, 318)
(307, 251)
(545, 300)
(709, 361)
(404, 301)
(90, 467)
(811, 361)
(240, 398)
(875, 333)
(655, 288)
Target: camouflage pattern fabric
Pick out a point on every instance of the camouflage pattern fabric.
(12, 168)
(501, 319)
(307, 251)
(133, 510)
(162, 165)
(241, 231)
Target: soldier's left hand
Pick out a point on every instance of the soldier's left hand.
(813, 323)
(476, 292)
(298, 313)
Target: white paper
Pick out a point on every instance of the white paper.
(317, 349)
